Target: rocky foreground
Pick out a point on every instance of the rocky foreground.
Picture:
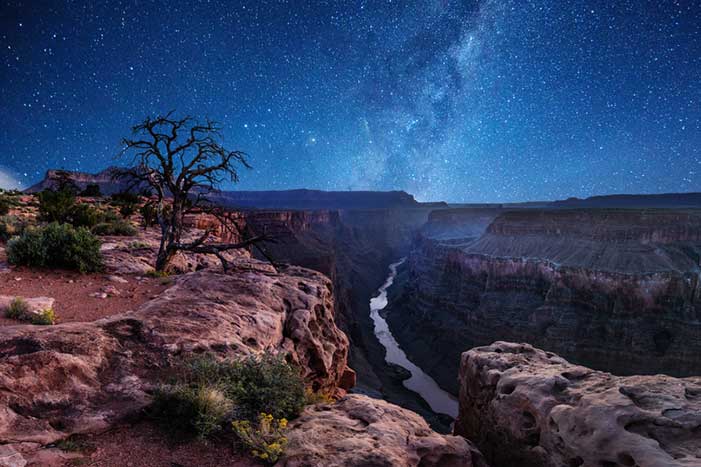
(88, 377)
(527, 407)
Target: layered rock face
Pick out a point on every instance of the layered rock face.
(83, 377)
(614, 290)
(359, 432)
(527, 407)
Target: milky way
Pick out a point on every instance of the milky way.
(460, 101)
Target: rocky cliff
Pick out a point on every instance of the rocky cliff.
(527, 407)
(84, 377)
(615, 290)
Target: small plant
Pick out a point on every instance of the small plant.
(317, 397)
(137, 245)
(6, 203)
(200, 408)
(84, 215)
(18, 309)
(119, 227)
(92, 190)
(265, 383)
(45, 317)
(157, 274)
(56, 245)
(265, 440)
(56, 206)
(9, 227)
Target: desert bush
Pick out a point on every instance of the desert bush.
(18, 309)
(84, 215)
(44, 318)
(266, 439)
(149, 213)
(56, 206)
(10, 226)
(56, 245)
(6, 203)
(118, 227)
(194, 401)
(265, 384)
(127, 202)
(201, 409)
(91, 190)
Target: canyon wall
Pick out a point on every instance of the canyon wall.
(614, 290)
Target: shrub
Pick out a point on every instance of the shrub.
(266, 440)
(265, 384)
(28, 249)
(149, 213)
(56, 206)
(127, 202)
(44, 318)
(119, 227)
(205, 392)
(6, 203)
(9, 227)
(56, 245)
(18, 309)
(92, 190)
(200, 408)
(84, 215)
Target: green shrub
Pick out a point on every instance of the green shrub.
(56, 245)
(56, 206)
(28, 249)
(266, 439)
(10, 226)
(91, 190)
(201, 408)
(265, 384)
(18, 309)
(44, 318)
(119, 227)
(205, 392)
(149, 213)
(84, 215)
(6, 203)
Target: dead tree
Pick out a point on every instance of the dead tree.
(182, 161)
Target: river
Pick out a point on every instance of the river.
(439, 400)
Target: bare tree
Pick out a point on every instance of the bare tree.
(182, 161)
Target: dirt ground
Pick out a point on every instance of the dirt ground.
(144, 445)
(78, 296)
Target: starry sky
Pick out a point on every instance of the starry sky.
(464, 101)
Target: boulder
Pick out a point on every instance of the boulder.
(527, 407)
(361, 431)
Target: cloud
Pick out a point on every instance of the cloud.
(8, 181)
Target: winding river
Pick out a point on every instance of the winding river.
(439, 400)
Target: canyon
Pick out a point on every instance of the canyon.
(609, 295)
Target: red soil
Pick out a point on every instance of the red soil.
(144, 445)
(72, 292)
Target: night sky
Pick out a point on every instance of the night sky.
(449, 100)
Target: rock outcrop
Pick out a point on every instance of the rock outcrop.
(83, 377)
(359, 431)
(613, 290)
(527, 407)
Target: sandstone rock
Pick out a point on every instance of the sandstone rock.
(9, 457)
(523, 406)
(360, 431)
(116, 279)
(83, 377)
